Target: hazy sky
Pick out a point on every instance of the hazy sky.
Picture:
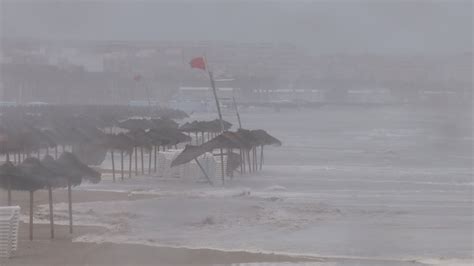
(320, 26)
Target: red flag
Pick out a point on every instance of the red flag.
(198, 62)
(137, 77)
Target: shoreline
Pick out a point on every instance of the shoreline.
(64, 251)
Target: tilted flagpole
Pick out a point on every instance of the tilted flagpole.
(213, 85)
(211, 78)
(237, 112)
(204, 66)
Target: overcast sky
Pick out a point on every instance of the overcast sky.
(319, 26)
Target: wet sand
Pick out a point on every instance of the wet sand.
(63, 251)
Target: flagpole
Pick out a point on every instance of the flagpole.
(237, 112)
(211, 78)
(220, 115)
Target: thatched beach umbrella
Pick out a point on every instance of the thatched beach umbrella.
(55, 180)
(262, 139)
(8, 173)
(33, 176)
(75, 172)
(141, 140)
(122, 143)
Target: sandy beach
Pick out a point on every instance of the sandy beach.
(63, 251)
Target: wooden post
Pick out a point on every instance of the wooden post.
(149, 160)
(136, 161)
(69, 197)
(261, 157)
(121, 164)
(56, 152)
(141, 157)
(222, 166)
(51, 218)
(255, 158)
(9, 191)
(154, 163)
(243, 159)
(229, 171)
(248, 161)
(31, 214)
(203, 171)
(130, 164)
(113, 164)
(241, 162)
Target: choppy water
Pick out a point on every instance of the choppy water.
(352, 185)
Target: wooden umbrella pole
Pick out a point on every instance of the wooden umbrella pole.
(51, 218)
(136, 161)
(222, 166)
(149, 160)
(241, 163)
(261, 157)
(69, 196)
(141, 158)
(9, 191)
(255, 157)
(229, 171)
(121, 164)
(155, 154)
(243, 160)
(248, 161)
(31, 214)
(203, 171)
(130, 164)
(113, 164)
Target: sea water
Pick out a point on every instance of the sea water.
(369, 185)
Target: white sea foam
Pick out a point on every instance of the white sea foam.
(382, 192)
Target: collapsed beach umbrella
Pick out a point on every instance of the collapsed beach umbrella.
(209, 127)
(227, 140)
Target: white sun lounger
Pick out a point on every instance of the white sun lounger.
(9, 223)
